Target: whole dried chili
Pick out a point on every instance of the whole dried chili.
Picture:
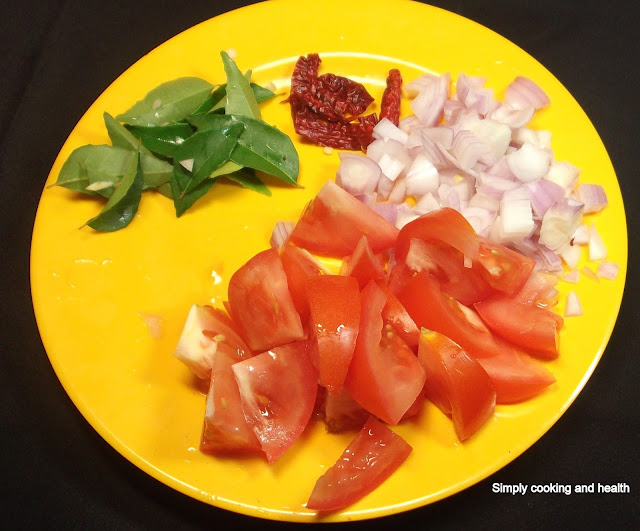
(326, 109)
(390, 107)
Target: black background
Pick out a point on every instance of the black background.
(57, 472)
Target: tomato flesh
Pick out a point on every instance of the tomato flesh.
(532, 328)
(334, 303)
(225, 428)
(369, 459)
(364, 265)
(396, 315)
(278, 392)
(204, 330)
(504, 269)
(456, 383)
(384, 377)
(334, 221)
(261, 304)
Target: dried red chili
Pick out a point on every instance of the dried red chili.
(327, 109)
(390, 107)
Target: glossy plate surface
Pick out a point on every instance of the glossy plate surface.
(94, 293)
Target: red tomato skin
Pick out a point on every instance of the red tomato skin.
(516, 377)
(504, 269)
(396, 315)
(532, 328)
(445, 225)
(225, 429)
(456, 383)
(384, 377)
(334, 303)
(334, 221)
(364, 265)
(299, 265)
(369, 459)
(343, 413)
(261, 304)
(278, 393)
(433, 310)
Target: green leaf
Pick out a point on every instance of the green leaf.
(217, 97)
(247, 178)
(208, 150)
(179, 181)
(240, 98)
(260, 146)
(97, 166)
(162, 140)
(155, 172)
(227, 168)
(169, 102)
(123, 203)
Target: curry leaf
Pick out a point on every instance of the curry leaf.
(162, 140)
(215, 99)
(170, 102)
(240, 98)
(180, 179)
(208, 150)
(123, 203)
(94, 166)
(155, 172)
(247, 178)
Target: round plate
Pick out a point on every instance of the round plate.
(93, 293)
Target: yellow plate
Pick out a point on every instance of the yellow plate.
(93, 292)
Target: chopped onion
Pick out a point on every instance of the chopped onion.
(581, 235)
(572, 276)
(522, 92)
(514, 118)
(529, 163)
(427, 203)
(589, 273)
(597, 248)
(608, 270)
(422, 177)
(540, 138)
(544, 193)
(593, 196)
(153, 323)
(385, 129)
(280, 234)
(187, 164)
(399, 191)
(560, 222)
(570, 254)
(391, 156)
(563, 174)
(357, 174)
(479, 218)
(573, 307)
(428, 105)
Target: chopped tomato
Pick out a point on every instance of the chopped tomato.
(445, 225)
(261, 304)
(204, 330)
(532, 328)
(456, 383)
(363, 264)
(343, 413)
(434, 310)
(334, 303)
(395, 315)
(278, 392)
(369, 459)
(333, 223)
(299, 265)
(225, 428)
(504, 269)
(384, 377)
(539, 289)
(516, 377)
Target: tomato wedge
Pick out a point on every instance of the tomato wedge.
(334, 221)
(204, 330)
(225, 428)
(395, 315)
(334, 303)
(343, 413)
(384, 377)
(504, 269)
(261, 304)
(278, 392)
(532, 328)
(456, 383)
(445, 225)
(516, 377)
(369, 459)
(364, 265)
(299, 265)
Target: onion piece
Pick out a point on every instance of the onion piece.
(544, 194)
(280, 234)
(593, 196)
(422, 177)
(560, 222)
(597, 248)
(564, 174)
(573, 307)
(581, 235)
(529, 163)
(428, 105)
(572, 276)
(588, 272)
(570, 254)
(385, 129)
(357, 174)
(608, 270)
(523, 91)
